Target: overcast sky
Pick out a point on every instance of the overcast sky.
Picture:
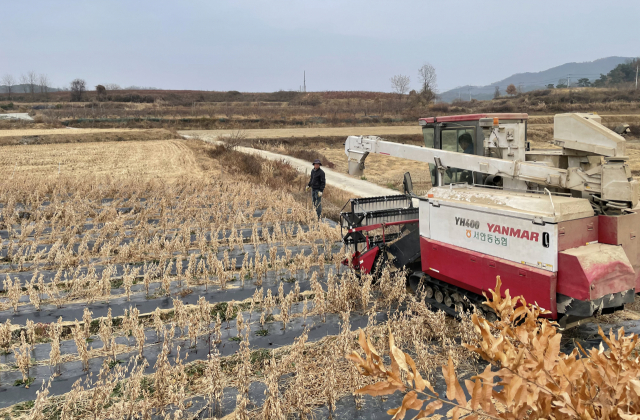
(343, 45)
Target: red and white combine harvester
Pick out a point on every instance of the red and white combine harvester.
(559, 226)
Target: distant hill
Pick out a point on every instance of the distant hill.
(533, 81)
(20, 89)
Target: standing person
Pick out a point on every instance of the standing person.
(316, 184)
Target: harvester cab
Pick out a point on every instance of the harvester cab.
(476, 134)
(558, 226)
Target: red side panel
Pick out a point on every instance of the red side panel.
(623, 230)
(575, 233)
(592, 271)
(477, 273)
(366, 260)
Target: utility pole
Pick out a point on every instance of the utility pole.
(304, 81)
(469, 90)
(568, 80)
(637, 66)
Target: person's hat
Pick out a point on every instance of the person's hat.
(318, 162)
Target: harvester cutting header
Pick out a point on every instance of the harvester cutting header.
(559, 226)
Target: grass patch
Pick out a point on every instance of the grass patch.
(262, 333)
(117, 391)
(258, 357)
(113, 363)
(195, 370)
(23, 406)
(20, 382)
(221, 309)
(236, 339)
(95, 326)
(147, 384)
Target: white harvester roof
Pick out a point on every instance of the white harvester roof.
(548, 208)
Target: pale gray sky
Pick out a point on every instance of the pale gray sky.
(343, 45)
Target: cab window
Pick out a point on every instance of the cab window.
(450, 142)
(450, 138)
(429, 137)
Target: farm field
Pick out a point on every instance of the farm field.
(310, 132)
(58, 136)
(196, 293)
(166, 159)
(147, 279)
(63, 131)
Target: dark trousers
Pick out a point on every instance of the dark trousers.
(317, 201)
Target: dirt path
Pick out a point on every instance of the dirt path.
(310, 132)
(339, 180)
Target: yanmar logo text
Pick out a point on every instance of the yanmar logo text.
(516, 233)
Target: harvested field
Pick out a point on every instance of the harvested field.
(55, 136)
(310, 132)
(167, 159)
(201, 292)
(65, 131)
(175, 278)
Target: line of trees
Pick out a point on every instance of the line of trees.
(31, 82)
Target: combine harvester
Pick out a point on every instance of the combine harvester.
(558, 226)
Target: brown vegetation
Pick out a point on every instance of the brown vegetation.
(234, 110)
(31, 136)
(165, 159)
(536, 379)
(274, 174)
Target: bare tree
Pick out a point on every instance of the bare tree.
(32, 81)
(43, 81)
(400, 84)
(496, 93)
(427, 77)
(112, 86)
(511, 89)
(8, 81)
(24, 81)
(78, 86)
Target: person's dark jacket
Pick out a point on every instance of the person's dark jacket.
(317, 181)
